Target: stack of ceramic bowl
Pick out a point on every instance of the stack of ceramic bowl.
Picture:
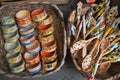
(46, 38)
(27, 31)
(12, 45)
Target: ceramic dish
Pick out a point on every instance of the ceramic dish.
(13, 58)
(18, 67)
(27, 40)
(7, 20)
(34, 47)
(12, 37)
(49, 66)
(31, 58)
(12, 47)
(23, 18)
(48, 57)
(33, 69)
(39, 14)
(9, 29)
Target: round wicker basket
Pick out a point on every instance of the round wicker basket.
(60, 36)
(112, 74)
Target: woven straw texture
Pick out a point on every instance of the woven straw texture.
(60, 36)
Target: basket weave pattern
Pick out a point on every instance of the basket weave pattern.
(59, 35)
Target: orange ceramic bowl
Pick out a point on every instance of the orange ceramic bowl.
(38, 14)
(48, 57)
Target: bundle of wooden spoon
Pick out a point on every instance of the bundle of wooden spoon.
(93, 36)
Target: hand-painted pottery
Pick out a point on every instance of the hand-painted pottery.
(13, 58)
(12, 37)
(12, 47)
(9, 29)
(49, 66)
(39, 14)
(7, 20)
(46, 39)
(47, 21)
(27, 40)
(52, 47)
(31, 58)
(23, 18)
(33, 69)
(48, 57)
(44, 27)
(17, 67)
(46, 32)
(27, 32)
(34, 47)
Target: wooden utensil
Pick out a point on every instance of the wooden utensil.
(87, 60)
(80, 44)
(79, 9)
(71, 21)
(94, 70)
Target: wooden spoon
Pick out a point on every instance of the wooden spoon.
(87, 60)
(80, 44)
(71, 21)
(94, 70)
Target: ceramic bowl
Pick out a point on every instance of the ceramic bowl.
(13, 58)
(27, 40)
(38, 14)
(17, 67)
(12, 47)
(34, 47)
(33, 69)
(9, 29)
(12, 37)
(31, 58)
(23, 18)
(7, 20)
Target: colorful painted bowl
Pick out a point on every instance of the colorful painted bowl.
(17, 67)
(47, 44)
(9, 29)
(27, 32)
(31, 58)
(12, 47)
(50, 48)
(46, 39)
(13, 58)
(23, 18)
(33, 69)
(48, 57)
(26, 27)
(48, 20)
(39, 14)
(12, 37)
(49, 66)
(34, 47)
(46, 32)
(44, 27)
(27, 40)
(7, 20)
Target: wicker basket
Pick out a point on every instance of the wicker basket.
(113, 73)
(60, 36)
